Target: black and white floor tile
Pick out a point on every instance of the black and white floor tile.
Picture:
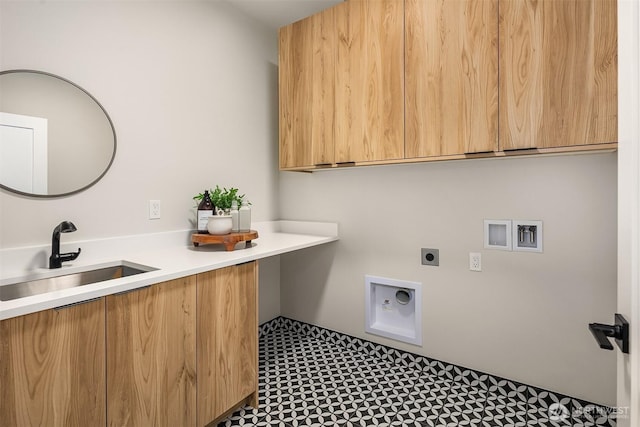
(310, 376)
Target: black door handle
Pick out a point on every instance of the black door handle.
(619, 331)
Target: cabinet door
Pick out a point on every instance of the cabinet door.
(307, 91)
(451, 74)
(227, 340)
(558, 73)
(52, 367)
(151, 355)
(369, 123)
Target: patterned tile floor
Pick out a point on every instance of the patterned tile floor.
(310, 376)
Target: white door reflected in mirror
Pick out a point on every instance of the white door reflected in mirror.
(23, 152)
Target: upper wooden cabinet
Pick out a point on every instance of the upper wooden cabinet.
(558, 73)
(369, 100)
(307, 91)
(341, 85)
(420, 80)
(52, 367)
(451, 72)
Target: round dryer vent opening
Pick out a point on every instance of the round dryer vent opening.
(403, 296)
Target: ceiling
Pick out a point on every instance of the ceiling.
(277, 13)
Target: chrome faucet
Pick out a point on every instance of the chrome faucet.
(56, 259)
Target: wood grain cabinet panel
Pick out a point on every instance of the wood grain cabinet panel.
(369, 103)
(307, 91)
(294, 83)
(558, 73)
(451, 72)
(151, 341)
(52, 367)
(342, 86)
(227, 351)
(422, 80)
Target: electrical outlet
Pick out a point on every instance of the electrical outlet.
(475, 261)
(154, 209)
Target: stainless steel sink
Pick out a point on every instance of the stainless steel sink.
(50, 284)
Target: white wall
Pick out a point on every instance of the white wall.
(524, 316)
(269, 289)
(191, 88)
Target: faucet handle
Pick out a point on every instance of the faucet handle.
(70, 256)
(76, 254)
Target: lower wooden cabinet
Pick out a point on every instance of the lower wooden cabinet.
(178, 353)
(227, 349)
(52, 367)
(151, 355)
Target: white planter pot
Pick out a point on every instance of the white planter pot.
(219, 224)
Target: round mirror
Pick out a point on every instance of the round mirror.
(55, 138)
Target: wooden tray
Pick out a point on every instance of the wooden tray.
(228, 240)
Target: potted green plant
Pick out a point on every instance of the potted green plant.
(222, 198)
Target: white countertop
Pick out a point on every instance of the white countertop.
(171, 253)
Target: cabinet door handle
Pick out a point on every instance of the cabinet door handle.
(73, 304)
(467, 153)
(520, 149)
(323, 165)
(343, 164)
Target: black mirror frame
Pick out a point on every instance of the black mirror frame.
(113, 130)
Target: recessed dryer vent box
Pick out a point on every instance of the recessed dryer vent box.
(527, 235)
(393, 309)
(497, 234)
